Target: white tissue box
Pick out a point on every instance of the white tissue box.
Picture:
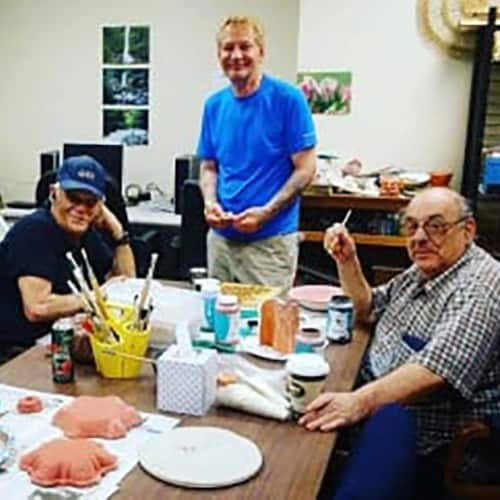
(186, 384)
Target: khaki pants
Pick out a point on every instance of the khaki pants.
(271, 261)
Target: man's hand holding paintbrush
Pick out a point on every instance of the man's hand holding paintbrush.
(338, 243)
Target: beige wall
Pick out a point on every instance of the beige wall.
(410, 102)
(51, 76)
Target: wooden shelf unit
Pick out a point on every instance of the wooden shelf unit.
(361, 239)
(347, 201)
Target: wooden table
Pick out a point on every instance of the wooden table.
(294, 459)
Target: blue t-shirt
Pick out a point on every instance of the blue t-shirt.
(36, 246)
(252, 139)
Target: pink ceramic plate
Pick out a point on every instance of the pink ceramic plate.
(315, 297)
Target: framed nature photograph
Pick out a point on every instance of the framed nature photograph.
(327, 93)
(126, 87)
(129, 127)
(125, 45)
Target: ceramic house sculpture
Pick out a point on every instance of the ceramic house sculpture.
(279, 324)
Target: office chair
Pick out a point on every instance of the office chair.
(464, 436)
(193, 247)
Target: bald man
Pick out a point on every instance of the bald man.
(436, 341)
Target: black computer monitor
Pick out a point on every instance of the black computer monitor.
(49, 161)
(110, 156)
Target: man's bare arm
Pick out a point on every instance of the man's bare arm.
(40, 304)
(304, 169)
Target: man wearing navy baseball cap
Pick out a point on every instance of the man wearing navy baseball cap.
(34, 270)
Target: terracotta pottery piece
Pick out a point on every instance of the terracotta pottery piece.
(278, 325)
(68, 462)
(88, 416)
(29, 404)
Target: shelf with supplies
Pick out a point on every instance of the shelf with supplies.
(361, 238)
(374, 221)
(374, 225)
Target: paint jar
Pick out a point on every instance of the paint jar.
(209, 291)
(339, 320)
(310, 340)
(227, 319)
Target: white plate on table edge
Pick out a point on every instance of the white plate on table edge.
(251, 345)
(179, 454)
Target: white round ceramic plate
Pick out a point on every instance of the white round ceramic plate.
(314, 297)
(201, 457)
(252, 346)
(415, 178)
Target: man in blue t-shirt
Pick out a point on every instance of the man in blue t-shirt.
(34, 269)
(257, 149)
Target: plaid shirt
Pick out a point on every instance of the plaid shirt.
(451, 326)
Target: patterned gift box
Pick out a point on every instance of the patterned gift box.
(186, 384)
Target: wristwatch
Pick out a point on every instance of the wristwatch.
(124, 240)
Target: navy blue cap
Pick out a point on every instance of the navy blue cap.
(83, 173)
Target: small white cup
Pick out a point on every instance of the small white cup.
(306, 377)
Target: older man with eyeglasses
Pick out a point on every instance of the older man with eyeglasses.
(34, 270)
(436, 340)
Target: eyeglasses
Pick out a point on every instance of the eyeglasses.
(78, 198)
(434, 227)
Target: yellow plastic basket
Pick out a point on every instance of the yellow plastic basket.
(132, 341)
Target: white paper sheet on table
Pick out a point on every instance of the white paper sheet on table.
(171, 305)
(31, 430)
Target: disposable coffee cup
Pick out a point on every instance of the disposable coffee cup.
(306, 377)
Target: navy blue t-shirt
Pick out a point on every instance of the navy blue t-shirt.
(36, 246)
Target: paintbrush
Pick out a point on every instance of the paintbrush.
(145, 289)
(95, 286)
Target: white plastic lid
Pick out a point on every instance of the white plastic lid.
(208, 285)
(227, 300)
(307, 365)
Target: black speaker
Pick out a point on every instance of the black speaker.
(186, 167)
(49, 161)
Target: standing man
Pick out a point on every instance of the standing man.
(33, 264)
(257, 150)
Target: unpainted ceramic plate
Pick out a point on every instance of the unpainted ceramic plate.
(201, 457)
(252, 346)
(314, 297)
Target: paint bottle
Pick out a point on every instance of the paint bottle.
(227, 319)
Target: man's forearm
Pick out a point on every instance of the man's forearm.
(55, 306)
(123, 262)
(354, 284)
(406, 384)
(208, 182)
(303, 174)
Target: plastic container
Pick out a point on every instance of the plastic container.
(131, 341)
(227, 319)
(209, 291)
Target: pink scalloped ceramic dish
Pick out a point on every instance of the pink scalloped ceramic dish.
(314, 297)
(29, 404)
(106, 417)
(68, 462)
